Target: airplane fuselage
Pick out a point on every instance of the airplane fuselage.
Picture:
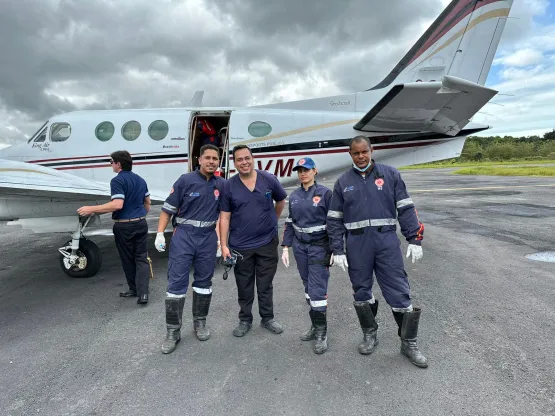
(277, 137)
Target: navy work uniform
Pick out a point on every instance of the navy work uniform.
(366, 207)
(131, 231)
(194, 202)
(253, 233)
(305, 231)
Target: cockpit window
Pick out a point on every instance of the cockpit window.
(38, 134)
(60, 132)
(41, 137)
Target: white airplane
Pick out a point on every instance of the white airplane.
(420, 112)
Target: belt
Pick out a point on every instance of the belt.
(131, 219)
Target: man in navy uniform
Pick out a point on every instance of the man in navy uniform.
(367, 201)
(194, 201)
(129, 206)
(249, 216)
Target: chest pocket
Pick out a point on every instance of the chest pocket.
(352, 195)
(265, 199)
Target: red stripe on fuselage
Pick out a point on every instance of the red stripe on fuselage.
(262, 155)
(109, 166)
(88, 157)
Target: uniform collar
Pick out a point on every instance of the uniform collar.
(369, 170)
(310, 187)
(204, 177)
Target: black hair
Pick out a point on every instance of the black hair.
(239, 147)
(209, 147)
(358, 139)
(124, 158)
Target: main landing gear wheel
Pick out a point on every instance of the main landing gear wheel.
(86, 261)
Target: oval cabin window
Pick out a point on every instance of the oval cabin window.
(104, 131)
(131, 130)
(158, 130)
(259, 129)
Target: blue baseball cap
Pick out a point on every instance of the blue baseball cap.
(306, 163)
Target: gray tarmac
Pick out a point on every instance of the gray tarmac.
(73, 347)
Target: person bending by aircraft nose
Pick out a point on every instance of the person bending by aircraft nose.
(249, 215)
(129, 206)
(194, 200)
(305, 230)
(367, 201)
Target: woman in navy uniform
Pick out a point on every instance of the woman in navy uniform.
(305, 231)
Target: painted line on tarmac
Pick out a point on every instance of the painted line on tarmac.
(479, 188)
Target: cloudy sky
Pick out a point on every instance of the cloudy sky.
(61, 55)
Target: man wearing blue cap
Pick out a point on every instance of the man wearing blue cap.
(305, 231)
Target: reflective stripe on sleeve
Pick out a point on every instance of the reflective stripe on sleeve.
(147, 194)
(118, 196)
(404, 202)
(169, 207)
(335, 214)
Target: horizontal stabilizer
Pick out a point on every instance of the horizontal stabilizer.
(444, 107)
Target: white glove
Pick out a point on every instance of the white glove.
(160, 242)
(339, 260)
(415, 251)
(219, 251)
(285, 257)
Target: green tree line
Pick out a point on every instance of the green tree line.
(496, 148)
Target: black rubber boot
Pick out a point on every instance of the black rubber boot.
(174, 313)
(201, 305)
(369, 326)
(308, 335)
(408, 331)
(320, 325)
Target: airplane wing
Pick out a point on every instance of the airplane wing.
(31, 180)
(442, 107)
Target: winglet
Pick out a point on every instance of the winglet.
(196, 101)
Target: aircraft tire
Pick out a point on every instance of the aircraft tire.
(94, 260)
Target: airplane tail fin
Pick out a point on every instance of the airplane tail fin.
(196, 101)
(461, 42)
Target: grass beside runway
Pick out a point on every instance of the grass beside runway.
(508, 171)
(449, 164)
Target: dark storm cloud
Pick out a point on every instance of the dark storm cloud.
(60, 55)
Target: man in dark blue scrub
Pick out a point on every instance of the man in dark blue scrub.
(194, 200)
(249, 216)
(129, 205)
